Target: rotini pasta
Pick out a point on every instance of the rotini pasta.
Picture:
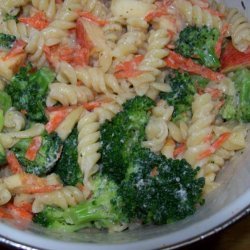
(195, 15)
(68, 94)
(88, 145)
(14, 120)
(63, 198)
(239, 29)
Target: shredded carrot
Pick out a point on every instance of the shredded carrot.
(177, 61)
(26, 206)
(4, 214)
(218, 46)
(82, 36)
(92, 105)
(92, 18)
(154, 14)
(216, 145)
(179, 150)
(33, 148)
(215, 93)
(56, 118)
(76, 56)
(13, 163)
(39, 21)
(17, 49)
(128, 69)
(18, 212)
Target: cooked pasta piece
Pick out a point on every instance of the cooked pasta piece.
(48, 6)
(203, 117)
(5, 195)
(195, 15)
(157, 128)
(67, 125)
(63, 198)
(14, 120)
(88, 145)
(239, 29)
(68, 94)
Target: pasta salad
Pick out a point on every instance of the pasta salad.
(118, 112)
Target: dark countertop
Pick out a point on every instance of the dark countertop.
(235, 237)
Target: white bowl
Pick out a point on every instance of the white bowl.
(227, 204)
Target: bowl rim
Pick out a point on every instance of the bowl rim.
(236, 217)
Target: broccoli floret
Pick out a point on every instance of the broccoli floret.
(165, 190)
(8, 17)
(67, 166)
(199, 44)
(46, 157)
(237, 107)
(102, 210)
(143, 193)
(5, 101)
(6, 41)
(28, 91)
(184, 86)
(2, 155)
(119, 136)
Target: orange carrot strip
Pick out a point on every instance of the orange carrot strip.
(18, 212)
(82, 36)
(154, 14)
(38, 21)
(56, 119)
(215, 93)
(26, 206)
(92, 18)
(4, 214)
(92, 105)
(14, 165)
(216, 145)
(176, 61)
(18, 48)
(128, 69)
(33, 148)
(218, 46)
(179, 150)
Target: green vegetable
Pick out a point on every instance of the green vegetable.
(125, 190)
(101, 210)
(1, 120)
(199, 43)
(8, 17)
(67, 167)
(184, 86)
(46, 158)
(2, 155)
(130, 165)
(28, 91)
(5, 101)
(6, 41)
(237, 107)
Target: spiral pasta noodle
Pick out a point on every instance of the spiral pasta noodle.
(14, 120)
(195, 15)
(157, 128)
(5, 195)
(68, 94)
(63, 198)
(200, 127)
(48, 6)
(239, 28)
(88, 145)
